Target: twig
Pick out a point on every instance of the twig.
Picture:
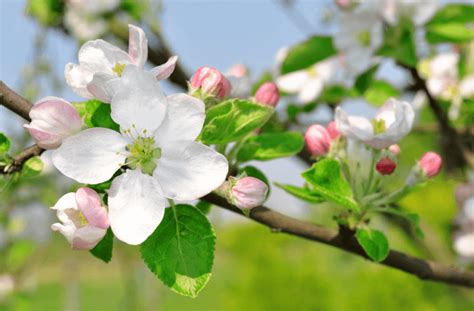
(424, 269)
(14, 102)
(20, 159)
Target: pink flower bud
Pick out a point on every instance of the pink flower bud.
(52, 120)
(211, 82)
(332, 130)
(248, 192)
(318, 140)
(385, 166)
(84, 220)
(395, 149)
(268, 94)
(430, 163)
(238, 71)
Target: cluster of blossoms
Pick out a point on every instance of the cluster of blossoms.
(153, 157)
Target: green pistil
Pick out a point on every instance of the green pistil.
(143, 154)
(118, 69)
(379, 126)
(364, 38)
(312, 72)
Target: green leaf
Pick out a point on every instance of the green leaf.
(374, 243)
(269, 146)
(459, 13)
(399, 44)
(379, 91)
(204, 207)
(334, 94)
(304, 194)
(232, 120)
(325, 176)
(451, 24)
(307, 53)
(103, 250)
(96, 114)
(19, 253)
(181, 250)
(134, 8)
(412, 218)
(32, 167)
(47, 12)
(4, 143)
(364, 80)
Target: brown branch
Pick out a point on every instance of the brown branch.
(424, 269)
(14, 102)
(20, 159)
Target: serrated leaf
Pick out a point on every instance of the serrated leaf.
(302, 193)
(204, 207)
(232, 120)
(374, 243)
(181, 250)
(379, 91)
(4, 143)
(326, 179)
(103, 250)
(307, 53)
(32, 167)
(269, 146)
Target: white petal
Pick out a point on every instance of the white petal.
(67, 201)
(188, 170)
(91, 156)
(103, 86)
(466, 88)
(165, 70)
(87, 237)
(353, 127)
(184, 119)
(311, 90)
(137, 45)
(136, 206)
(101, 56)
(292, 82)
(77, 78)
(139, 102)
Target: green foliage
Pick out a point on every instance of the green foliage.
(4, 143)
(269, 146)
(134, 8)
(450, 24)
(32, 167)
(47, 12)
(204, 207)
(364, 80)
(232, 120)
(19, 253)
(103, 250)
(304, 194)
(266, 77)
(181, 250)
(334, 94)
(374, 243)
(325, 176)
(379, 91)
(307, 53)
(399, 44)
(95, 113)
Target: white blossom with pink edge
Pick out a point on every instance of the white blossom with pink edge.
(83, 219)
(156, 144)
(52, 120)
(391, 123)
(101, 65)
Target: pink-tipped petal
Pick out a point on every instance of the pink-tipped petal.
(88, 202)
(317, 140)
(43, 139)
(165, 70)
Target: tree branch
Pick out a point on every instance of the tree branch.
(424, 269)
(20, 159)
(14, 102)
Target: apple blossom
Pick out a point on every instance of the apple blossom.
(359, 35)
(318, 140)
(332, 130)
(385, 166)
(309, 83)
(464, 245)
(391, 123)
(83, 218)
(442, 74)
(210, 82)
(430, 164)
(101, 64)
(418, 11)
(268, 94)
(239, 78)
(466, 87)
(52, 120)
(157, 147)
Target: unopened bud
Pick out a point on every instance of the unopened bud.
(268, 94)
(318, 140)
(332, 130)
(385, 166)
(430, 164)
(211, 82)
(395, 149)
(248, 192)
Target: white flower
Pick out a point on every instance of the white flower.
(83, 218)
(391, 123)
(157, 141)
(466, 87)
(418, 11)
(101, 64)
(359, 35)
(309, 83)
(441, 72)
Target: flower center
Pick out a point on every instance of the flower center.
(364, 38)
(312, 72)
(143, 154)
(118, 69)
(379, 126)
(77, 217)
